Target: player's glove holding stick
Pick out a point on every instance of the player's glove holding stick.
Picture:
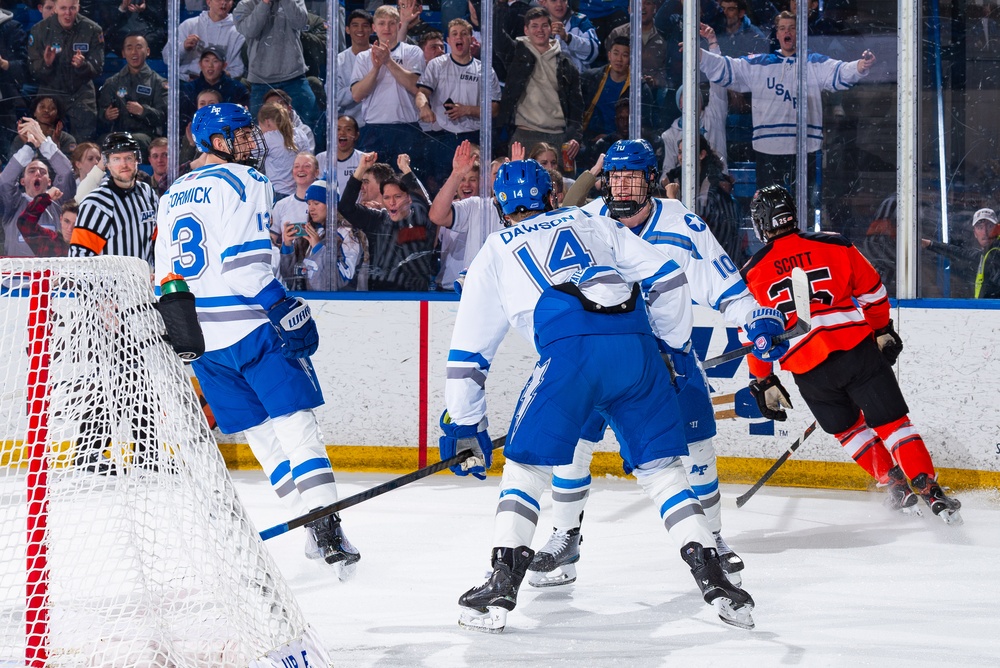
(458, 438)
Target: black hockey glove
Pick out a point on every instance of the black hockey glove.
(889, 343)
(772, 398)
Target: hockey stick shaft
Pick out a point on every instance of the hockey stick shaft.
(799, 329)
(378, 490)
(801, 294)
(743, 498)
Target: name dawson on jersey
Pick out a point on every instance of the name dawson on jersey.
(524, 228)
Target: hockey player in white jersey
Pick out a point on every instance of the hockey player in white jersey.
(570, 282)
(629, 175)
(256, 375)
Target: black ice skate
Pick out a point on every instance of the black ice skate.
(732, 603)
(899, 496)
(555, 563)
(731, 562)
(943, 506)
(485, 608)
(332, 546)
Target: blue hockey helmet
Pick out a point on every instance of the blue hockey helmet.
(625, 199)
(522, 185)
(225, 119)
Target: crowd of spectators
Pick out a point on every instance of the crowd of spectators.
(407, 111)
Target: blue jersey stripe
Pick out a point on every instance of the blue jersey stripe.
(466, 356)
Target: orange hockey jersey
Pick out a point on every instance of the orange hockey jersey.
(840, 280)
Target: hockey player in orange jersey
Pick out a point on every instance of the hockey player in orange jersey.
(842, 366)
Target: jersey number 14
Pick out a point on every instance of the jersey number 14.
(567, 252)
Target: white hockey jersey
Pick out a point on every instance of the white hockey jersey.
(508, 275)
(212, 229)
(714, 279)
(773, 79)
(713, 126)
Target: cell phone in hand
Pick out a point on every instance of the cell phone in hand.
(448, 104)
(300, 229)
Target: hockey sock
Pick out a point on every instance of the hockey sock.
(665, 482)
(517, 511)
(703, 476)
(571, 487)
(303, 445)
(866, 449)
(907, 448)
(266, 448)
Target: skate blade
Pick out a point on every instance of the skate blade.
(492, 621)
(952, 518)
(346, 570)
(738, 617)
(561, 575)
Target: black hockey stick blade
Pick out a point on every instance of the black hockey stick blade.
(803, 321)
(743, 498)
(378, 490)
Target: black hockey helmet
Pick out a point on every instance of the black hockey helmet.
(772, 210)
(121, 142)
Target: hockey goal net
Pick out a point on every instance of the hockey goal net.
(122, 539)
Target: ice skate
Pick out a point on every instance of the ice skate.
(941, 505)
(732, 603)
(731, 562)
(485, 608)
(555, 563)
(899, 495)
(329, 543)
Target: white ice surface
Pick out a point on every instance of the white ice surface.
(837, 579)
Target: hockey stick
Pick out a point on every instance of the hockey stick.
(743, 498)
(800, 296)
(378, 490)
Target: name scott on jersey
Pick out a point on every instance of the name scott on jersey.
(786, 264)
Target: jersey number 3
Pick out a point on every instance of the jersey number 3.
(567, 252)
(188, 239)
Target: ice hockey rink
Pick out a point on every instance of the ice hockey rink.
(838, 581)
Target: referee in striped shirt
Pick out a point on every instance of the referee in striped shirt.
(119, 217)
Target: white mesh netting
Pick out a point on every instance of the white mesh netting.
(122, 540)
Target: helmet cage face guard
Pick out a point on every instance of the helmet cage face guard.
(634, 196)
(629, 155)
(226, 120)
(247, 148)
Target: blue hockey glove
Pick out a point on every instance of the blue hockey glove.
(293, 320)
(772, 398)
(680, 362)
(466, 437)
(460, 282)
(761, 328)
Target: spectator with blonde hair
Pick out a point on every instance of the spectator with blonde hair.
(279, 136)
